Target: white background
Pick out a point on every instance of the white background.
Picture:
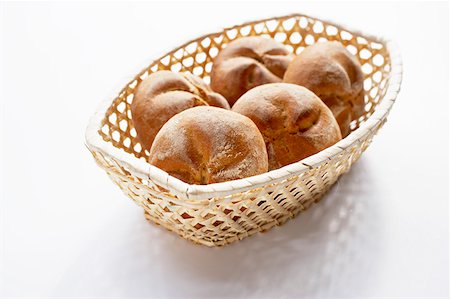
(67, 231)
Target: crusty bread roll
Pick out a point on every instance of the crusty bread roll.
(334, 75)
(248, 62)
(204, 145)
(294, 122)
(164, 94)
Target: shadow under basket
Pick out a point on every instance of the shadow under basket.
(218, 214)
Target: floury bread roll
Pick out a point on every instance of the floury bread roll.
(248, 62)
(164, 94)
(294, 122)
(204, 145)
(335, 76)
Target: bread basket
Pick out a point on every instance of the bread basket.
(219, 214)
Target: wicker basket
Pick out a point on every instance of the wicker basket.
(218, 214)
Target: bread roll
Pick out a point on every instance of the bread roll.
(164, 94)
(248, 62)
(334, 75)
(294, 122)
(204, 145)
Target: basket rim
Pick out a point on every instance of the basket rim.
(143, 170)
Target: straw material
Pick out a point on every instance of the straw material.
(219, 214)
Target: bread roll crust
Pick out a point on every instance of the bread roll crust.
(294, 122)
(204, 145)
(330, 71)
(248, 62)
(164, 94)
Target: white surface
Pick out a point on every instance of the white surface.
(66, 230)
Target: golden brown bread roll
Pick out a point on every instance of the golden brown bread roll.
(294, 122)
(164, 94)
(204, 145)
(335, 76)
(248, 62)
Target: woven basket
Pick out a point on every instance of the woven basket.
(218, 214)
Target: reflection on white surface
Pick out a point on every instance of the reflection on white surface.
(318, 253)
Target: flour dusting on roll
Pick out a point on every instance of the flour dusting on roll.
(294, 122)
(204, 145)
(330, 71)
(164, 94)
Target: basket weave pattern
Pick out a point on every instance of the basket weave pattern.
(227, 213)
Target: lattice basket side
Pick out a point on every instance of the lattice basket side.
(228, 219)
